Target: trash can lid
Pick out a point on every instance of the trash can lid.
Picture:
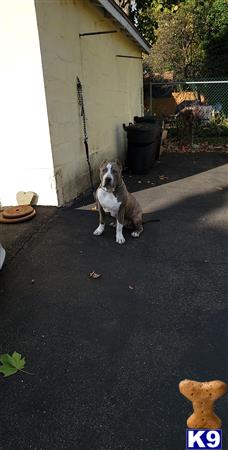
(141, 127)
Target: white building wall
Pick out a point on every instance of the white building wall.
(25, 157)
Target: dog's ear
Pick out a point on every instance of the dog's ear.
(117, 161)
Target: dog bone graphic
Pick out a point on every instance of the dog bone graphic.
(203, 396)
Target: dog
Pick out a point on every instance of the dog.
(113, 197)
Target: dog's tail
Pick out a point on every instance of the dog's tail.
(149, 217)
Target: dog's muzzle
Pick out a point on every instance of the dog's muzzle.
(107, 182)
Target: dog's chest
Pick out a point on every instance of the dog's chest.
(108, 202)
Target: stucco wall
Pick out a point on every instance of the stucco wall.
(25, 157)
(112, 88)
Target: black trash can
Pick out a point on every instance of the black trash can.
(142, 146)
(140, 158)
(146, 119)
(154, 122)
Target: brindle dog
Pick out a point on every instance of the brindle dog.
(113, 197)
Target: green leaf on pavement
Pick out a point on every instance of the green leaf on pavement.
(11, 364)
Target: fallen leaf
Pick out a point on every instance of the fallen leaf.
(163, 177)
(130, 287)
(139, 181)
(94, 208)
(11, 364)
(94, 275)
(219, 189)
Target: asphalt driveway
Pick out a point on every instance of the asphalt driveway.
(107, 354)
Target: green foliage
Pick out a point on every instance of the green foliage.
(11, 364)
(177, 46)
(215, 39)
(216, 128)
(191, 39)
(145, 13)
(215, 131)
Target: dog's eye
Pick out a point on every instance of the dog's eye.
(114, 171)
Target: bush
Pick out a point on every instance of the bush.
(218, 127)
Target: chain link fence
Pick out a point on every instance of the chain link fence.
(192, 111)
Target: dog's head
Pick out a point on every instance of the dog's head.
(111, 174)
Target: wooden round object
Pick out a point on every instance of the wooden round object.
(17, 211)
(17, 219)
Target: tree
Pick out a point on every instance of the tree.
(143, 14)
(192, 41)
(190, 37)
(215, 39)
(177, 47)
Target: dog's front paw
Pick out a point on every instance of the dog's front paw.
(99, 230)
(120, 239)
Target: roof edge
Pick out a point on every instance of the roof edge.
(111, 7)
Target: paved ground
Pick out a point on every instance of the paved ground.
(107, 359)
(174, 166)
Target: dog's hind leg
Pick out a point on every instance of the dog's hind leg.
(137, 233)
(128, 224)
(138, 228)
